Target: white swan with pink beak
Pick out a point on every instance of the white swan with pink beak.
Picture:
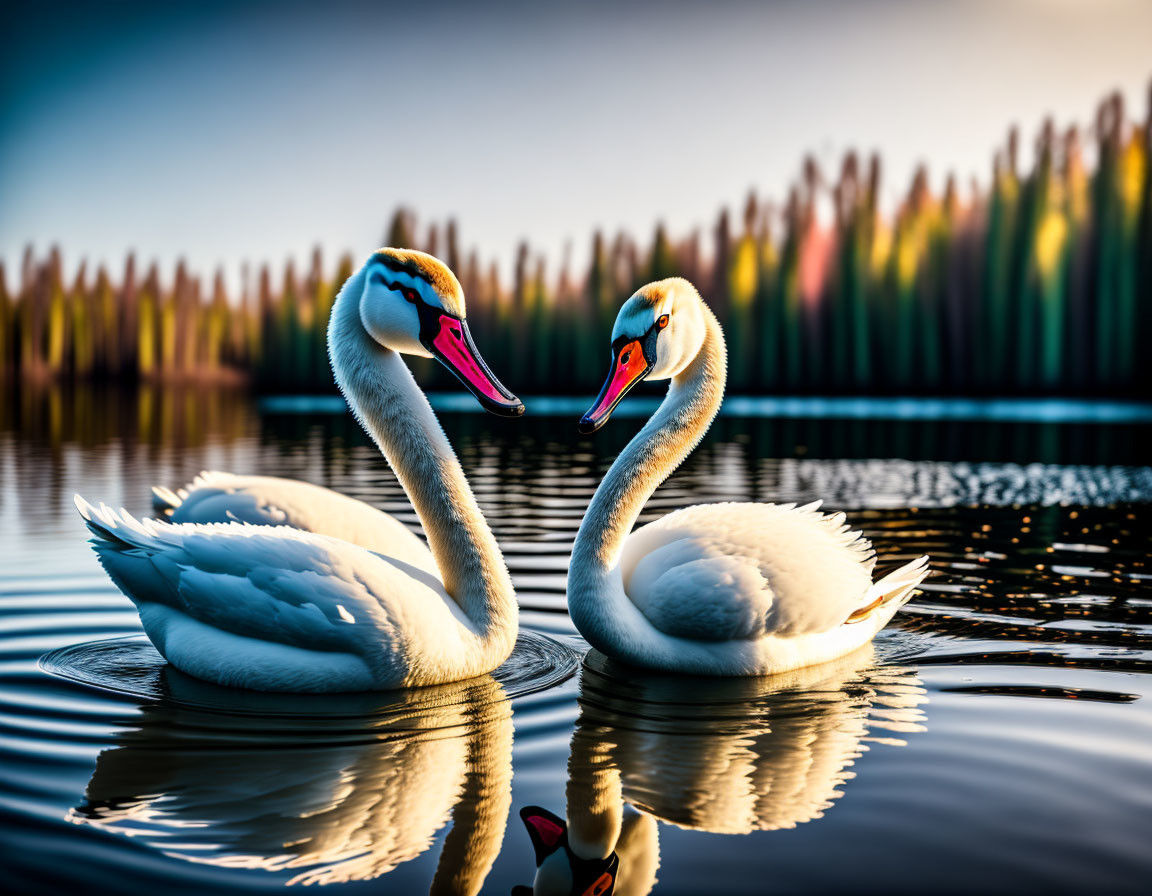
(277, 585)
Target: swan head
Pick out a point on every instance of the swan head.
(658, 332)
(412, 303)
(559, 871)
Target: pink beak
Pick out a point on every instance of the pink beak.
(453, 347)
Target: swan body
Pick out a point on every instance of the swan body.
(219, 497)
(273, 608)
(718, 589)
(281, 608)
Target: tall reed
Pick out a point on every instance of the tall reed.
(1040, 283)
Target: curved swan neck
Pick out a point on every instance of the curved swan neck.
(390, 406)
(657, 450)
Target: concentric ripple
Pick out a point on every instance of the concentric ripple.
(132, 666)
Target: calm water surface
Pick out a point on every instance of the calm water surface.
(997, 737)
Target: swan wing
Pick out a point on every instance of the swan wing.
(744, 571)
(219, 497)
(280, 586)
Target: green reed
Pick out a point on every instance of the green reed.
(1039, 283)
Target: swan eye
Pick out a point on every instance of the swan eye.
(407, 291)
(626, 357)
(662, 322)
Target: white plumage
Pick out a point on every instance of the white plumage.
(722, 589)
(278, 585)
(218, 497)
(275, 608)
(723, 571)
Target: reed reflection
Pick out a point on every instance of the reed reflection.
(332, 790)
(727, 756)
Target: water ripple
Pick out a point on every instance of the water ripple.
(132, 666)
(1009, 693)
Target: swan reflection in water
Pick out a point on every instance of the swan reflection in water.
(728, 756)
(333, 789)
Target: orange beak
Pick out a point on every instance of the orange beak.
(629, 365)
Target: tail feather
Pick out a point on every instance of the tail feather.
(120, 529)
(164, 500)
(100, 522)
(125, 551)
(898, 585)
(891, 591)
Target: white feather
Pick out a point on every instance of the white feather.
(278, 585)
(269, 607)
(722, 589)
(216, 497)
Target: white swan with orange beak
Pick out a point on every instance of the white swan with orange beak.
(715, 589)
(338, 596)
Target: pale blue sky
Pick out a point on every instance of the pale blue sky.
(227, 132)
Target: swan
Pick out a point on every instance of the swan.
(722, 755)
(280, 608)
(714, 589)
(339, 801)
(215, 496)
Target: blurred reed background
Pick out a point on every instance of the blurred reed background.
(1039, 282)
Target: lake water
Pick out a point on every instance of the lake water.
(997, 738)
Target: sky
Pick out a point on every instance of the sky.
(224, 132)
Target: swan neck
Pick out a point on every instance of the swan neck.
(391, 407)
(668, 437)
